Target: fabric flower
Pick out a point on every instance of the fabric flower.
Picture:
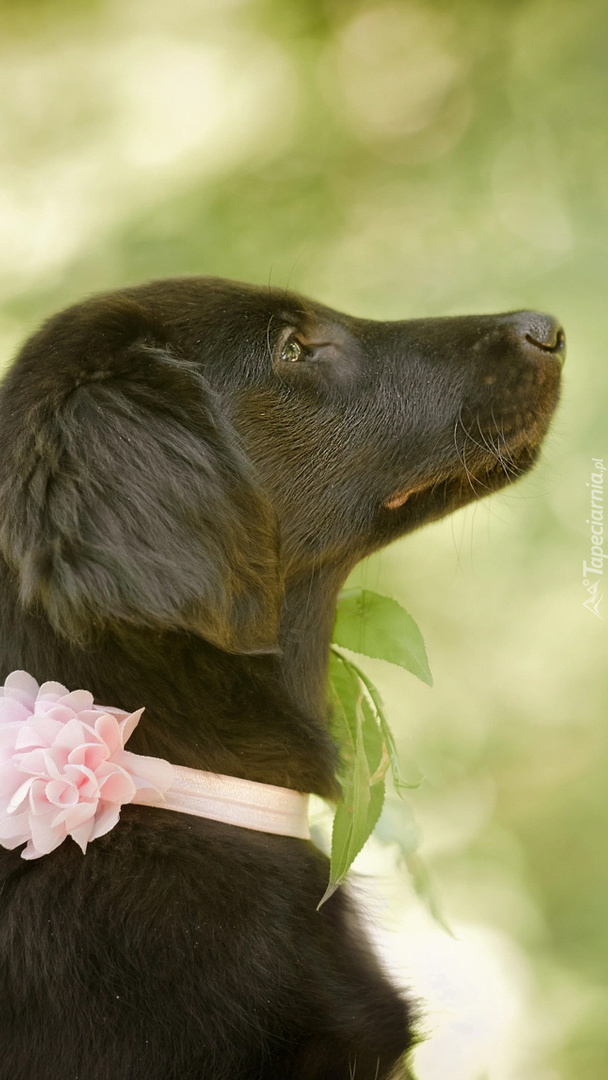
(63, 767)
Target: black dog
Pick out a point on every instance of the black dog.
(188, 472)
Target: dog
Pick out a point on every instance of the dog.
(189, 470)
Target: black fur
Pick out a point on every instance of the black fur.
(188, 472)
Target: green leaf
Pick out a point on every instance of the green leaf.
(379, 627)
(345, 693)
(355, 723)
(364, 761)
(351, 829)
(389, 741)
(374, 747)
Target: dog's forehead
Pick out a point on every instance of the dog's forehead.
(209, 301)
(283, 304)
(289, 308)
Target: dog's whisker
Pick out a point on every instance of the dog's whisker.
(468, 433)
(485, 439)
(493, 448)
(268, 342)
(503, 451)
(462, 456)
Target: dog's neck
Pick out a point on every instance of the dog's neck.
(270, 713)
(305, 635)
(264, 718)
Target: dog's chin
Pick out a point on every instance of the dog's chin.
(414, 505)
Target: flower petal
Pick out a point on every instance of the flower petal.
(77, 700)
(56, 712)
(105, 819)
(60, 793)
(8, 737)
(39, 804)
(108, 729)
(13, 711)
(14, 827)
(84, 779)
(92, 755)
(83, 833)
(22, 683)
(44, 838)
(39, 731)
(129, 723)
(55, 762)
(52, 691)
(74, 734)
(120, 714)
(147, 772)
(74, 816)
(117, 788)
(11, 777)
(20, 794)
(33, 762)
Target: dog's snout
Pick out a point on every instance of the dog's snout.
(542, 332)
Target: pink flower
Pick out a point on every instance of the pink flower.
(63, 767)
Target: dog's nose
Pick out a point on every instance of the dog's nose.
(542, 332)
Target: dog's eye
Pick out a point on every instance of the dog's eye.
(292, 350)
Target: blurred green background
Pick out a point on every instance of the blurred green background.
(392, 160)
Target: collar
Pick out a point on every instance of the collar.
(251, 805)
(64, 771)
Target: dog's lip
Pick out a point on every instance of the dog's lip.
(400, 497)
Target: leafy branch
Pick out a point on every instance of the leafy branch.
(378, 627)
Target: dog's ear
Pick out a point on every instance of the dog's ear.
(124, 495)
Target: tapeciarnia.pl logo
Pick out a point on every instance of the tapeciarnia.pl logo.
(593, 571)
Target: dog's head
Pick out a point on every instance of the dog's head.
(172, 454)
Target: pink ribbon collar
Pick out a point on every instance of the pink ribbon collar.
(64, 771)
